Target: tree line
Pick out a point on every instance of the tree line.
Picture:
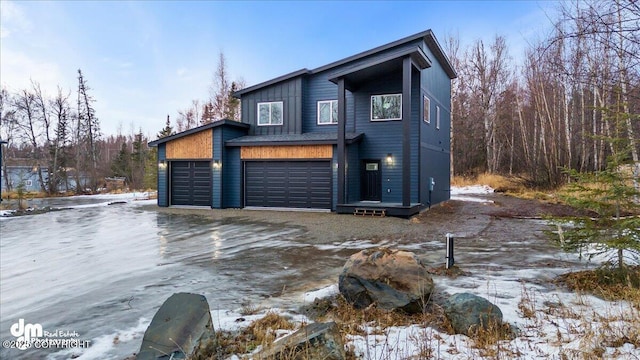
(60, 139)
(572, 102)
(221, 103)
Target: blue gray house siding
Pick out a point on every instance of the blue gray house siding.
(384, 70)
(290, 93)
(435, 144)
(232, 170)
(217, 172)
(163, 177)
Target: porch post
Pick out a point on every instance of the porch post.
(406, 131)
(342, 119)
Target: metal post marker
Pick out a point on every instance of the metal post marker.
(449, 256)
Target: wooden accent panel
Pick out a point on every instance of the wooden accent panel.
(194, 146)
(287, 152)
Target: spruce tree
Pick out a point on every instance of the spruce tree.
(612, 226)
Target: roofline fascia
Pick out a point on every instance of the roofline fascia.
(285, 77)
(198, 129)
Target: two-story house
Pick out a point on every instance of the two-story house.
(371, 131)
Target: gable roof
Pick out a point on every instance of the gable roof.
(427, 35)
(212, 125)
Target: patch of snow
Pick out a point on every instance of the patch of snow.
(458, 193)
(102, 345)
(470, 199)
(472, 189)
(322, 293)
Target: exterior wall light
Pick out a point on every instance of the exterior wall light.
(162, 165)
(217, 164)
(389, 159)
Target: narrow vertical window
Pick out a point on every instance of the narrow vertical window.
(426, 110)
(437, 117)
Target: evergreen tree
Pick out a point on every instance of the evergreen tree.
(610, 194)
(121, 165)
(167, 130)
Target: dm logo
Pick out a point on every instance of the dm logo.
(24, 333)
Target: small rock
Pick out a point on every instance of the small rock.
(315, 341)
(468, 312)
(393, 279)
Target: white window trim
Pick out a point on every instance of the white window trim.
(426, 115)
(330, 111)
(437, 117)
(28, 183)
(270, 103)
(371, 107)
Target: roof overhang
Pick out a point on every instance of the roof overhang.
(392, 63)
(224, 122)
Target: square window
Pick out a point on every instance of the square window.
(270, 113)
(386, 107)
(426, 110)
(327, 112)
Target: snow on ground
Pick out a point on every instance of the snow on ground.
(550, 325)
(140, 198)
(465, 193)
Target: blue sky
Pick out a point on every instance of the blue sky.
(144, 60)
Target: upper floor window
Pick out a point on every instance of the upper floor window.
(327, 112)
(426, 110)
(437, 117)
(270, 113)
(386, 107)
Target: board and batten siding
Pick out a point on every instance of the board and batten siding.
(195, 146)
(290, 93)
(286, 152)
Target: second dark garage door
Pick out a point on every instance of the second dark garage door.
(191, 183)
(291, 184)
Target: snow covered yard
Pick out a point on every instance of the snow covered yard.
(506, 258)
(548, 322)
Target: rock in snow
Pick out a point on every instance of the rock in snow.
(181, 325)
(315, 341)
(468, 312)
(393, 279)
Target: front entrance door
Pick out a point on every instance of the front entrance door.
(370, 180)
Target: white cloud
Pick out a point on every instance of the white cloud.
(181, 72)
(18, 69)
(12, 19)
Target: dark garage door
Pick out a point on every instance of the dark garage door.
(191, 183)
(292, 184)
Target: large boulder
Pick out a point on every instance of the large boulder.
(468, 313)
(393, 279)
(180, 327)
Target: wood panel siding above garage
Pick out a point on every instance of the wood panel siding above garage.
(287, 152)
(195, 146)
